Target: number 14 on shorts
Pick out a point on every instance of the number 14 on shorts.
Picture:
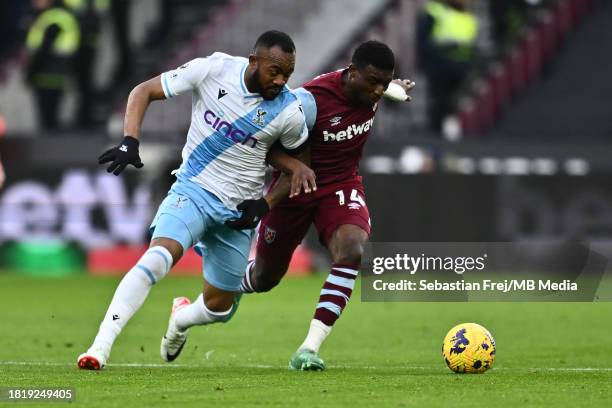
(354, 197)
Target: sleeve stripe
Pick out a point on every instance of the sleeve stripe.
(165, 87)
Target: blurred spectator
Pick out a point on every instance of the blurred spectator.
(89, 14)
(2, 175)
(53, 42)
(446, 36)
(120, 13)
(509, 16)
(159, 34)
(12, 23)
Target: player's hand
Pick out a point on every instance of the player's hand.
(252, 212)
(406, 85)
(302, 177)
(122, 155)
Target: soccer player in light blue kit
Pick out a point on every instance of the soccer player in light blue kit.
(240, 108)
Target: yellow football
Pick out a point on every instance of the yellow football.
(469, 348)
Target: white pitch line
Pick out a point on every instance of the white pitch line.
(267, 366)
(52, 364)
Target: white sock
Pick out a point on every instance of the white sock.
(197, 314)
(131, 294)
(316, 335)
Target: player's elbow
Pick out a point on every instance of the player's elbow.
(150, 90)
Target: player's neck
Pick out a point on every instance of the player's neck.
(249, 80)
(346, 88)
(349, 92)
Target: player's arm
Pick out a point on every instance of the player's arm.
(294, 168)
(163, 86)
(292, 155)
(126, 152)
(296, 175)
(138, 102)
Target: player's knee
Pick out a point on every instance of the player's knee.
(171, 246)
(265, 278)
(155, 263)
(265, 283)
(349, 251)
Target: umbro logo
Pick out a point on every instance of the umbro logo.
(123, 148)
(335, 120)
(115, 317)
(222, 93)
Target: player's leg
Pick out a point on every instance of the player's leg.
(225, 254)
(280, 232)
(173, 228)
(345, 230)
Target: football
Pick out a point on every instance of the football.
(469, 348)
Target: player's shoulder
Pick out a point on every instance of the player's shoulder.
(222, 63)
(217, 64)
(329, 80)
(227, 58)
(308, 105)
(288, 102)
(285, 99)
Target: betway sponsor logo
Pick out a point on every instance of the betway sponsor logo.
(228, 130)
(349, 133)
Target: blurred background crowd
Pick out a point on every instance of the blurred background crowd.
(504, 88)
(69, 64)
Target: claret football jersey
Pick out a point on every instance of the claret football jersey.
(338, 129)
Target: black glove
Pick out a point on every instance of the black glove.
(122, 155)
(252, 212)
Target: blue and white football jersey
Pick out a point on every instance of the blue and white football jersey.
(231, 128)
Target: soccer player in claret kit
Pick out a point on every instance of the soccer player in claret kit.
(340, 108)
(240, 109)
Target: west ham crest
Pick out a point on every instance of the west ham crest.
(269, 235)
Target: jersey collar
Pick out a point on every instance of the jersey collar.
(245, 92)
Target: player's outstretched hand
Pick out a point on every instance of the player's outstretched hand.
(122, 155)
(252, 212)
(302, 177)
(406, 85)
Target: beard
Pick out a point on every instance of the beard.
(266, 93)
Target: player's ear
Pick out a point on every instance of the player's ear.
(253, 61)
(352, 71)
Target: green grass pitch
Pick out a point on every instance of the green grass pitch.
(379, 354)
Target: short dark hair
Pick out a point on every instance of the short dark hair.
(374, 53)
(274, 38)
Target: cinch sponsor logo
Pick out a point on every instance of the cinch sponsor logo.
(349, 133)
(229, 131)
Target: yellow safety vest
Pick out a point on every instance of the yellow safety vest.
(69, 37)
(453, 28)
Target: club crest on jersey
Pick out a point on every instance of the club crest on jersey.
(258, 119)
(269, 235)
(180, 202)
(335, 120)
